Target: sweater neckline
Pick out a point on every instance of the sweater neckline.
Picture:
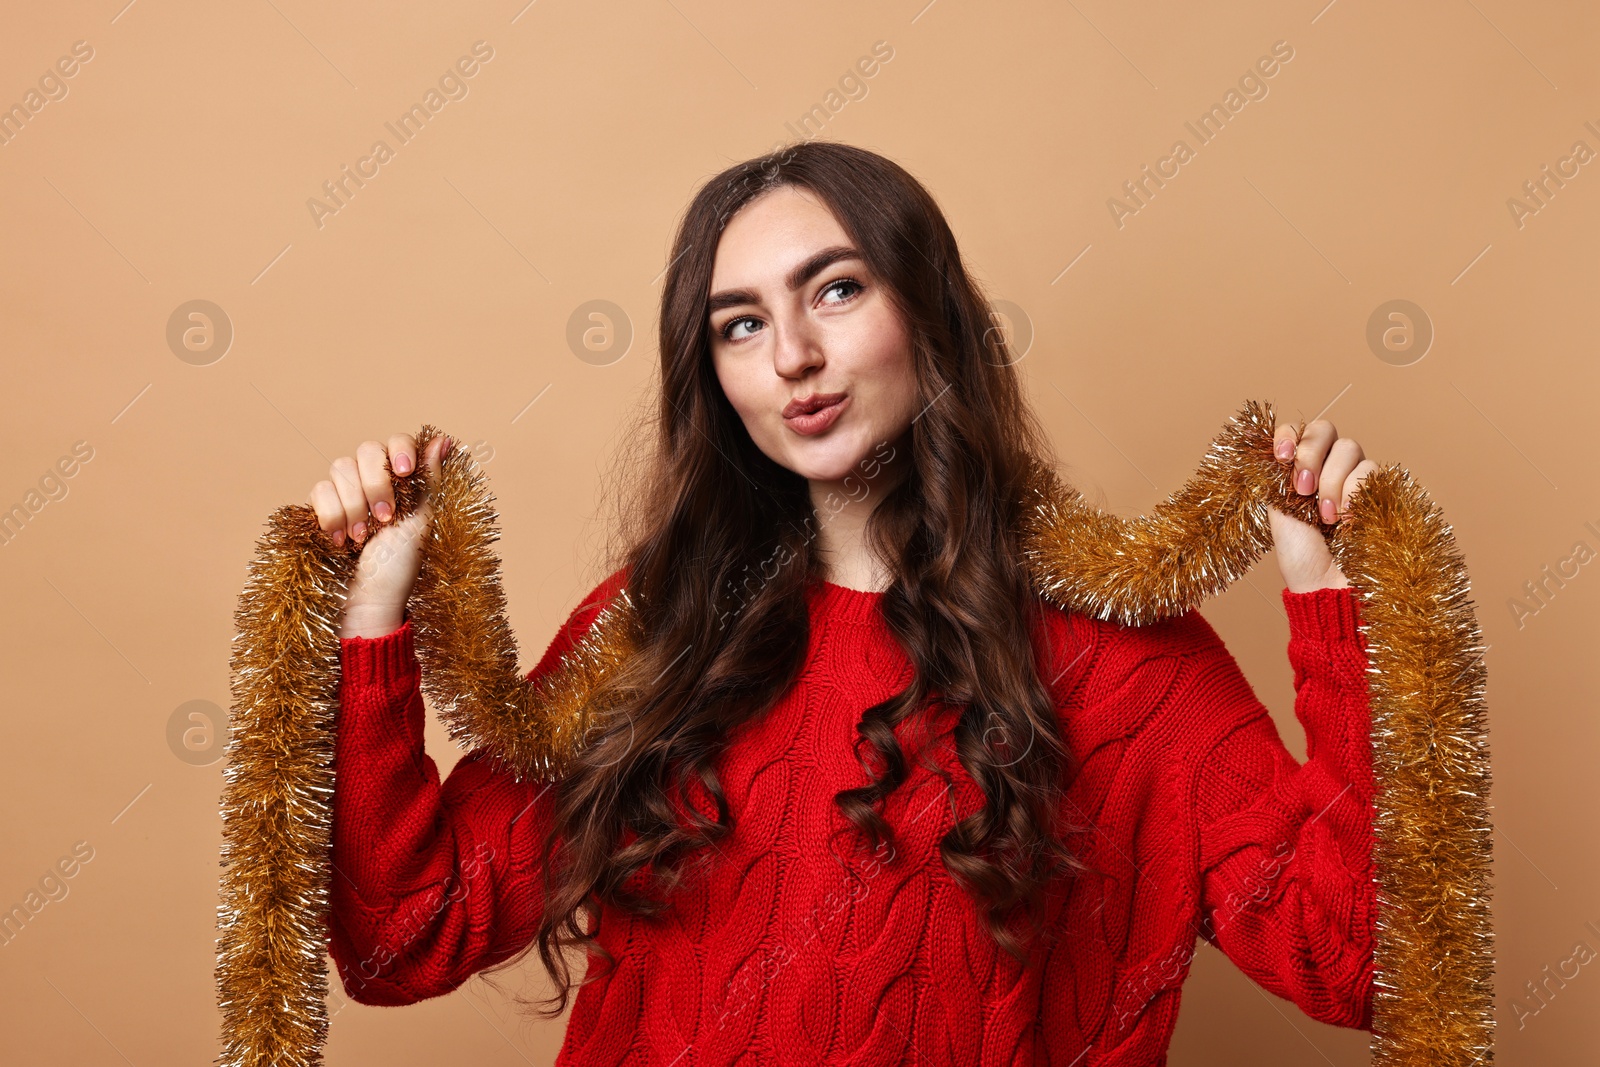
(841, 603)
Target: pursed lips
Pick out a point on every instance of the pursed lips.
(806, 405)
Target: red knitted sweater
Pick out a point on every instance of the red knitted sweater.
(793, 948)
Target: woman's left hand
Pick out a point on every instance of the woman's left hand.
(1331, 467)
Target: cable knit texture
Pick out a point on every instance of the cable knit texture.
(796, 946)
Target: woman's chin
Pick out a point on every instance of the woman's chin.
(827, 461)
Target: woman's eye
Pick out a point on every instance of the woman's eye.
(727, 328)
(849, 283)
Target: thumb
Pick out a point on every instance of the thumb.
(433, 464)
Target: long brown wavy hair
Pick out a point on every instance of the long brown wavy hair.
(717, 542)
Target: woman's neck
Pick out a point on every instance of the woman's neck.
(842, 508)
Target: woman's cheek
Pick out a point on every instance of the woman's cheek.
(742, 406)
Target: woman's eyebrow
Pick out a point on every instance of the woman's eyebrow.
(807, 269)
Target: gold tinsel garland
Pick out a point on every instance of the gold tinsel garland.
(1433, 1002)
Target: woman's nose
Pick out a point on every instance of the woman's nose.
(796, 349)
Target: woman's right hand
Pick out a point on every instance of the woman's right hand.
(356, 502)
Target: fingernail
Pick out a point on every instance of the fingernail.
(1329, 512)
(359, 531)
(338, 538)
(1285, 449)
(382, 510)
(402, 464)
(447, 444)
(1304, 482)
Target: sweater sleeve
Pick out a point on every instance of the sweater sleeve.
(1285, 848)
(432, 881)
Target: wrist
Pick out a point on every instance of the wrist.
(1335, 580)
(371, 621)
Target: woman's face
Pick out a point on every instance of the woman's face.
(795, 316)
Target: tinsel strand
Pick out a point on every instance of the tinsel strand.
(467, 651)
(276, 803)
(1433, 1003)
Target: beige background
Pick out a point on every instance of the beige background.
(178, 167)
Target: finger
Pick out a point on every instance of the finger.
(403, 453)
(1342, 459)
(438, 448)
(324, 500)
(347, 481)
(433, 454)
(375, 480)
(1352, 483)
(1284, 439)
(1318, 437)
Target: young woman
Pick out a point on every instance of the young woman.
(870, 799)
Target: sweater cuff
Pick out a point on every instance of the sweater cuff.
(376, 660)
(1323, 614)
